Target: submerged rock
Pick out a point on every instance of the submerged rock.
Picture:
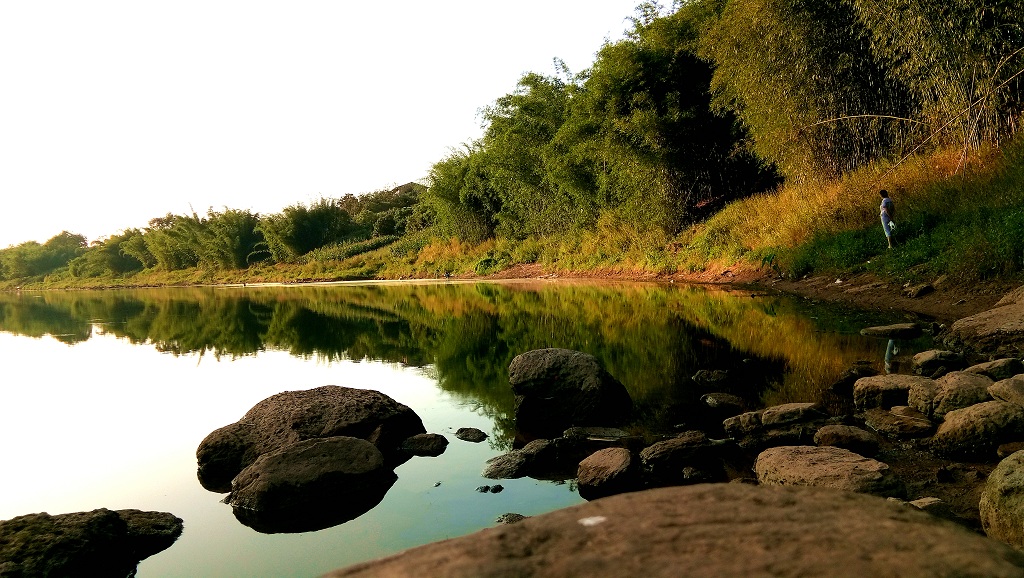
(428, 445)
(470, 434)
(714, 530)
(293, 416)
(559, 388)
(101, 543)
(311, 485)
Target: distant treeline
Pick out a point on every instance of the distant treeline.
(706, 103)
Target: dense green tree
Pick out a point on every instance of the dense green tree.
(805, 82)
(463, 201)
(299, 229)
(959, 58)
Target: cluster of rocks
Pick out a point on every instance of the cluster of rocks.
(954, 411)
(305, 460)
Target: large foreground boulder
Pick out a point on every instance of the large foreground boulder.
(310, 485)
(1002, 501)
(98, 544)
(827, 467)
(714, 530)
(559, 388)
(294, 416)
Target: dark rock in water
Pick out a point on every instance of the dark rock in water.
(470, 434)
(607, 472)
(999, 369)
(1002, 501)
(711, 378)
(896, 331)
(497, 489)
(827, 467)
(848, 437)
(311, 485)
(975, 432)
(724, 404)
(559, 388)
(294, 416)
(483, 489)
(928, 362)
(714, 530)
(510, 518)
(101, 543)
(688, 458)
(507, 466)
(429, 445)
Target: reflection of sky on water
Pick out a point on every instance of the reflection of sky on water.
(108, 424)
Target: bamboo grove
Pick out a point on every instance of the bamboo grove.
(700, 104)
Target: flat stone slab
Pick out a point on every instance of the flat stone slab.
(826, 467)
(713, 530)
(895, 331)
(999, 330)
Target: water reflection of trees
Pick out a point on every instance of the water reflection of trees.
(652, 337)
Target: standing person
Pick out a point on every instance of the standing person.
(888, 209)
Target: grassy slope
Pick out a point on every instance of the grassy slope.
(956, 217)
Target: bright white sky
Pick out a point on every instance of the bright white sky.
(115, 112)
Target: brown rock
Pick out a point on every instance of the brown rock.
(998, 369)
(998, 331)
(976, 431)
(957, 390)
(826, 467)
(883, 391)
(1010, 390)
(788, 413)
(897, 424)
(848, 437)
(713, 530)
(470, 434)
(1002, 501)
(607, 472)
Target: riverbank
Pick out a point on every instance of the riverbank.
(944, 301)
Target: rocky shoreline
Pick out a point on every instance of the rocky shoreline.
(918, 473)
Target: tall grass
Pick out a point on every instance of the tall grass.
(959, 216)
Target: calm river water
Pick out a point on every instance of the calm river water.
(107, 394)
